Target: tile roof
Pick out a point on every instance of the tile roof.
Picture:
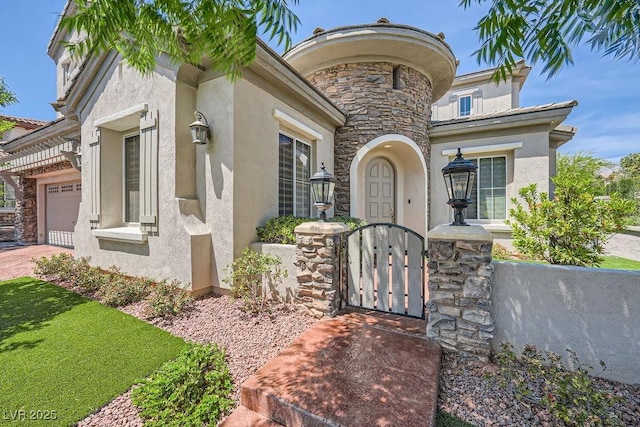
(30, 123)
(506, 113)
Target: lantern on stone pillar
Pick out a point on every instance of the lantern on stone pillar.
(459, 176)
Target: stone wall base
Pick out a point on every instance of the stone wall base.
(460, 281)
(317, 259)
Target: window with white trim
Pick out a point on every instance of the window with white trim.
(489, 193)
(464, 105)
(132, 179)
(294, 171)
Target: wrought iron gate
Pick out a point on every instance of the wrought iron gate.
(385, 269)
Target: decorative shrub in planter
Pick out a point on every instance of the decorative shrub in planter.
(280, 229)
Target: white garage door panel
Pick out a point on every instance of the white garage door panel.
(63, 201)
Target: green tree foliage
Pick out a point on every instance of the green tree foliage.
(223, 31)
(627, 184)
(631, 165)
(6, 98)
(572, 228)
(545, 31)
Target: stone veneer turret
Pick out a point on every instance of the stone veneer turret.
(365, 91)
(384, 77)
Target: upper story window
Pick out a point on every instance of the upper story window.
(464, 105)
(490, 190)
(294, 189)
(132, 179)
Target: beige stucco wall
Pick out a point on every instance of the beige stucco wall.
(526, 165)
(495, 97)
(239, 182)
(287, 288)
(118, 88)
(593, 312)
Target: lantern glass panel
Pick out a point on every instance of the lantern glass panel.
(470, 184)
(458, 184)
(315, 190)
(332, 186)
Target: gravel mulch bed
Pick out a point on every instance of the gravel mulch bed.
(250, 343)
(468, 391)
(467, 387)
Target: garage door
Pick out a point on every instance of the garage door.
(63, 200)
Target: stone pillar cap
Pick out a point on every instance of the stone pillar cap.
(322, 228)
(453, 233)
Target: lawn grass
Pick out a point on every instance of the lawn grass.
(62, 352)
(617, 263)
(609, 262)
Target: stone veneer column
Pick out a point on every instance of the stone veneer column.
(365, 91)
(318, 261)
(26, 219)
(460, 284)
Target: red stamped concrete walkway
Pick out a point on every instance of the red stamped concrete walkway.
(354, 370)
(15, 261)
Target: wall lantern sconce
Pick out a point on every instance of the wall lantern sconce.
(459, 176)
(200, 131)
(322, 186)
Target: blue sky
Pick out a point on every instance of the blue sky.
(608, 92)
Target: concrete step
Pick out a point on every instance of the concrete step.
(245, 417)
(349, 372)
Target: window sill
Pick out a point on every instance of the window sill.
(121, 234)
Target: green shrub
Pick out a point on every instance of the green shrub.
(570, 396)
(253, 279)
(500, 252)
(90, 278)
(573, 228)
(119, 290)
(193, 390)
(113, 288)
(62, 267)
(280, 229)
(350, 221)
(167, 299)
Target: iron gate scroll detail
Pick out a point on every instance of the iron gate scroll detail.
(385, 269)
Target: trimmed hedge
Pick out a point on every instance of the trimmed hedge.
(281, 228)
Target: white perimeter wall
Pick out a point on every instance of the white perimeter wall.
(594, 312)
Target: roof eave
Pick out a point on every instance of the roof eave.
(520, 71)
(550, 117)
(561, 135)
(59, 33)
(267, 60)
(56, 128)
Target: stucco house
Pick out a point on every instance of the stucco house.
(513, 146)
(358, 99)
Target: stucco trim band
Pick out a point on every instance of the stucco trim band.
(483, 149)
(296, 125)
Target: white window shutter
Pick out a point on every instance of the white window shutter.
(94, 178)
(149, 172)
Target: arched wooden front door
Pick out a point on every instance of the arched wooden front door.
(380, 188)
